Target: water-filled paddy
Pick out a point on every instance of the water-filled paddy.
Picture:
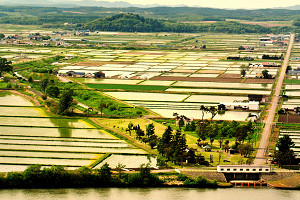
(42, 122)
(13, 100)
(21, 111)
(223, 85)
(220, 91)
(214, 98)
(147, 96)
(130, 161)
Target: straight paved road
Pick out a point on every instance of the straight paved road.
(260, 156)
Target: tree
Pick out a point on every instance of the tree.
(288, 68)
(285, 143)
(105, 173)
(5, 66)
(212, 132)
(203, 110)
(241, 132)
(150, 130)
(213, 111)
(243, 72)
(30, 79)
(153, 140)
(139, 132)
(44, 84)
(32, 175)
(178, 146)
(245, 149)
(129, 127)
(164, 142)
(285, 155)
(265, 74)
(65, 101)
(101, 106)
(201, 128)
(52, 91)
(180, 122)
(2, 36)
(119, 169)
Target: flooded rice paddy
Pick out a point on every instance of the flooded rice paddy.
(28, 136)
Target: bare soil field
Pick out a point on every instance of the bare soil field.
(265, 24)
(253, 80)
(289, 118)
(229, 76)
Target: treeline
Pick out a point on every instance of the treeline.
(57, 177)
(59, 19)
(182, 13)
(135, 23)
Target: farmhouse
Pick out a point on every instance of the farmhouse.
(270, 64)
(294, 72)
(255, 97)
(239, 105)
(81, 73)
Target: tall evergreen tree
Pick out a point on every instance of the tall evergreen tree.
(65, 101)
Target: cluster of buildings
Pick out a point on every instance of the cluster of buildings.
(252, 103)
(270, 40)
(80, 71)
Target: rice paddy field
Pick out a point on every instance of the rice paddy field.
(158, 79)
(28, 136)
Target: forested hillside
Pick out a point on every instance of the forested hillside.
(157, 19)
(136, 23)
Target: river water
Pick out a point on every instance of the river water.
(150, 194)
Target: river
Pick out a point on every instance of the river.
(150, 194)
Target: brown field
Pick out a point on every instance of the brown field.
(253, 80)
(289, 118)
(266, 24)
(229, 76)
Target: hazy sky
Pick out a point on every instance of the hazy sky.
(248, 4)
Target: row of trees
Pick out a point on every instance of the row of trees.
(148, 137)
(57, 177)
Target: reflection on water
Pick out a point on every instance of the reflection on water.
(66, 131)
(150, 194)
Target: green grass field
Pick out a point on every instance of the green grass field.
(292, 81)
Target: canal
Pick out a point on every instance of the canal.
(150, 194)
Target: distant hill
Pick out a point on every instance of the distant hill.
(135, 23)
(127, 23)
(296, 7)
(66, 3)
